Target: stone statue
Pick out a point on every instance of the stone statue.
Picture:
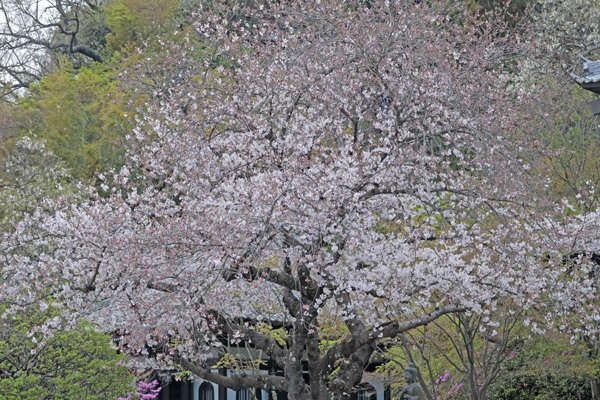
(412, 390)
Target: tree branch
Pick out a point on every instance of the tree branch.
(236, 382)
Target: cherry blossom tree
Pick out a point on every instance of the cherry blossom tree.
(310, 160)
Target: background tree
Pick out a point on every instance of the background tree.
(467, 351)
(35, 36)
(76, 363)
(81, 117)
(131, 21)
(31, 31)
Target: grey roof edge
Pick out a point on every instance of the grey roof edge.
(588, 79)
(576, 78)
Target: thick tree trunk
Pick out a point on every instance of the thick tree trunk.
(473, 384)
(296, 386)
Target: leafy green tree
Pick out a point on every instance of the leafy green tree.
(84, 115)
(547, 367)
(131, 21)
(77, 364)
(35, 32)
(81, 116)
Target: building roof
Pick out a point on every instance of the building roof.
(591, 81)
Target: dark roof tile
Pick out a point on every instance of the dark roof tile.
(591, 81)
(591, 68)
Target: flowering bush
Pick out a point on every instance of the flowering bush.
(145, 391)
(442, 384)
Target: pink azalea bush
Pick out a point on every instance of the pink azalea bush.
(447, 386)
(145, 391)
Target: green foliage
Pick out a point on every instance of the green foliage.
(75, 364)
(131, 21)
(279, 334)
(81, 117)
(238, 362)
(546, 367)
(121, 23)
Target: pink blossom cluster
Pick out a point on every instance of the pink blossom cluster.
(454, 387)
(145, 391)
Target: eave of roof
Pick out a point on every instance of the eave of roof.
(591, 81)
(587, 79)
